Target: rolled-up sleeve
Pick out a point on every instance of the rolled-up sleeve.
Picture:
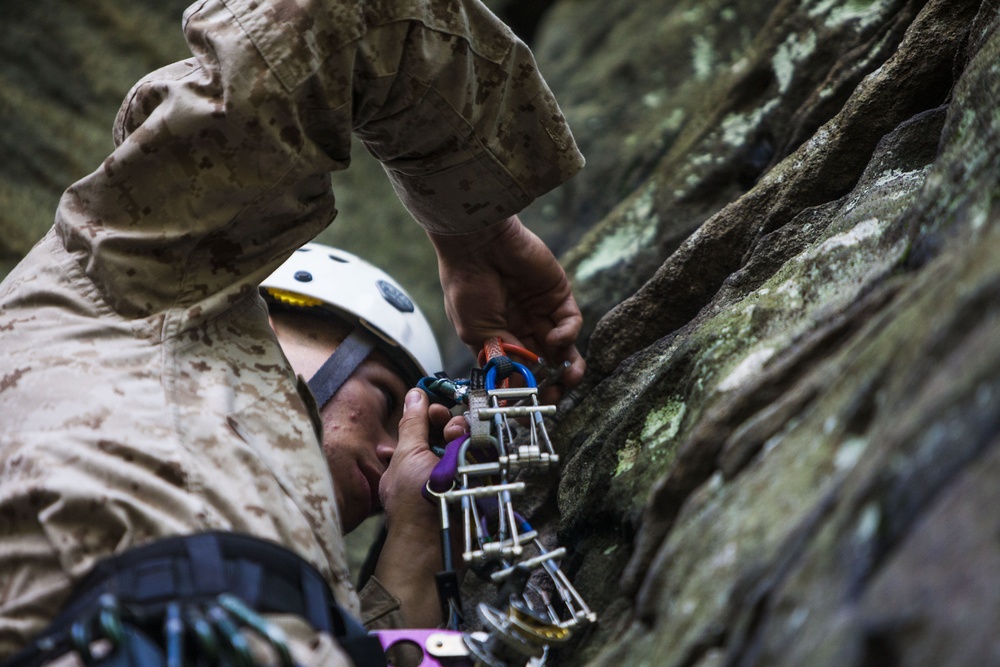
(456, 110)
(441, 92)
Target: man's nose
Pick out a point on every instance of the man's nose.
(385, 449)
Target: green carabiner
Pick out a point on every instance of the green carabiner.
(231, 634)
(275, 635)
(111, 620)
(203, 633)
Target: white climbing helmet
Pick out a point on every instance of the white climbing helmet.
(318, 276)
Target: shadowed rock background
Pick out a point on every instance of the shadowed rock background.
(787, 247)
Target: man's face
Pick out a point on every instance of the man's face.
(360, 432)
(360, 422)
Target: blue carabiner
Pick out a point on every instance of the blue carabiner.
(522, 370)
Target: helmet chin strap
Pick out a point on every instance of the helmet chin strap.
(339, 366)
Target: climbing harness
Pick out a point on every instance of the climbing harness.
(194, 600)
(478, 478)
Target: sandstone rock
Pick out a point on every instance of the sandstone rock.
(64, 69)
(778, 413)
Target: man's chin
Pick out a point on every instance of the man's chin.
(353, 511)
(350, 521)
(357, 499)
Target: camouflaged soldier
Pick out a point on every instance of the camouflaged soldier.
(142, 390)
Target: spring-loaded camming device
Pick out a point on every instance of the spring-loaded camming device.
(479, 479)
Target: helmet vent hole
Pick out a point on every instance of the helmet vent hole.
(338, 259)
(303, 276)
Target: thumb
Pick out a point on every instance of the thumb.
(414, 427)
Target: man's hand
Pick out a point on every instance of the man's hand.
(411, 555)
(506, 282)
(412, 462)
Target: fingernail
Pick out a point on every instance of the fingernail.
(413, 398)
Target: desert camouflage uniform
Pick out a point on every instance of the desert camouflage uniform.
(142, 393)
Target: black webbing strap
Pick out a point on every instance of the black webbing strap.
(344, 360)
(209, 576)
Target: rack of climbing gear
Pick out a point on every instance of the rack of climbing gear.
(117, 634)
(478, 479)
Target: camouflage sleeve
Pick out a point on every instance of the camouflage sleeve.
(441, 92)
(222, 162)
(380, 609)
(455, 108)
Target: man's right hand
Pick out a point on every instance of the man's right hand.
(505, 282)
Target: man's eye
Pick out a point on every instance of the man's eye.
(390, 403)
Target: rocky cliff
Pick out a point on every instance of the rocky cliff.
(784, 454)
(787, 247)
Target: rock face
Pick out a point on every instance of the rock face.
(786, 245)
(64, 69)
(784, 452)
